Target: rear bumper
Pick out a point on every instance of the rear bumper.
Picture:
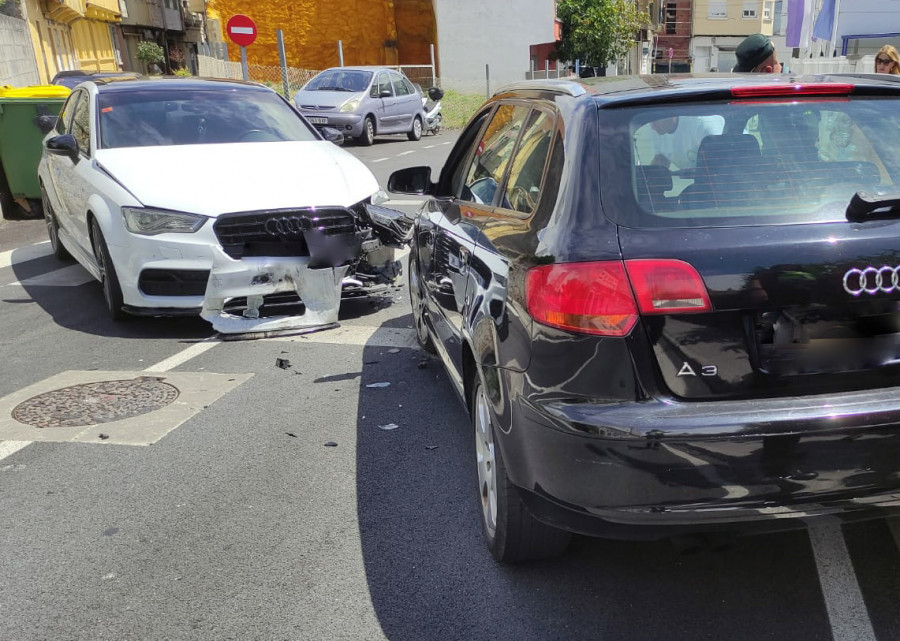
(660, 464)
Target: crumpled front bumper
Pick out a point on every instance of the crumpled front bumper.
(255, 277)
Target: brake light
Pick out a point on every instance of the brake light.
(591, 298)
(667, 286)
(811, 89)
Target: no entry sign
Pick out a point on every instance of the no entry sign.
(241, 29)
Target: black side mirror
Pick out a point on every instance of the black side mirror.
(412, 180)
(385, 93)
(332, 135)
(64, 145)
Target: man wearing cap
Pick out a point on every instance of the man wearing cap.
(756, 54)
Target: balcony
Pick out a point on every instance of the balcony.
(65, 11)
(104, 10)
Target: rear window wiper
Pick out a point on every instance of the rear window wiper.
(874, 204)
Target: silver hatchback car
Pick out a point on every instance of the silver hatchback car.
(362, 102)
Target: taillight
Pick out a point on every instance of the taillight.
(597, 297)
(808, 89)
(591, 298)
(667, 286)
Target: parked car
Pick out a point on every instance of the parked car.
(648, 349)
(150, 185)
(72, 78)
(363, 102)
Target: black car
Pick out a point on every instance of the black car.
(73, 78)
(669, 303)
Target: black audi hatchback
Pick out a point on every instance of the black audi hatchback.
(670, 303)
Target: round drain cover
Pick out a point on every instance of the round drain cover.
(94, 403)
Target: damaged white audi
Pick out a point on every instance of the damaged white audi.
(187, 196)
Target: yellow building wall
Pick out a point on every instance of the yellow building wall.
(94, 45)
(372, 32)
(733, 24)
(52, 42)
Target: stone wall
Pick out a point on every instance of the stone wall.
(17, 65)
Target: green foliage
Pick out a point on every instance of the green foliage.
(11, 8)
(457, 108)
(150, 52)
(184, 73)
(598, 32)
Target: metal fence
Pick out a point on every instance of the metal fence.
(271, 76)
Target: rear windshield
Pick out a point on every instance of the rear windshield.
(746, 163)
(149, 118)
(340, 80)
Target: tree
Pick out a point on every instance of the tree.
(11, 8)
(150, 53)
(598, 32)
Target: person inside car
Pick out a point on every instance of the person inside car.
(756, 54)
(887, 60)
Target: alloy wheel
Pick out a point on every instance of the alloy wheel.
(486, 463)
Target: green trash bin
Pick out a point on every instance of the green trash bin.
(25, 114)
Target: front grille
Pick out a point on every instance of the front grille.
(316, 108)
(173, 282)
(280, 233)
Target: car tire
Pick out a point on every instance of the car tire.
(368, 134)
(417, 300)
(416, 132)
(512, 533)
(112, 291)
(56, 245)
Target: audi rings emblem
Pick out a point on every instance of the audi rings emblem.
(287, 226)
(872, 280)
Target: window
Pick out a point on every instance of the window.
(492, 155)
(81, 124)
(523, 189)
(767, 12)
(400, 87)
(671, 17)
(382, 84)
(750, 10)
(65, 114)
(718, 10)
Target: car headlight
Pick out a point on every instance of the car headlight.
(149, 222)
(350, 105)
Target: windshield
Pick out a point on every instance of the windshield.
(340, 80)
(745, 163)
(153, 117)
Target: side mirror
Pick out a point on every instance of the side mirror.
(412, 180)
(64, 145)
(385, 93)
(332, 135)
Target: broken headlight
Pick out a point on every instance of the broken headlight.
(149, 222)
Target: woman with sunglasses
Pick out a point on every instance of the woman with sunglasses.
(887, 60)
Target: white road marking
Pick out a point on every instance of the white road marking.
(406, 153)
(843, 598)
(24, 254)
(360, 336)
(11, 447)
(71, 276)
(379, 160)
(429, 146)
(184, 355)
(449, 142)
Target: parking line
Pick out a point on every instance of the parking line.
(184, 355)
(26, 253)
(405, 153)
(844, 602)
(11, 447)
(71, 276)
(379, 160)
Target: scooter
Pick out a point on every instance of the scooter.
(432, 105)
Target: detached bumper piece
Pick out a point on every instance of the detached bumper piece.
(255, 278)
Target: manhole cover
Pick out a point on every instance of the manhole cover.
(94, 403)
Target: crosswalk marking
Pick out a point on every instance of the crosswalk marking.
(24, 254)
(71, 276)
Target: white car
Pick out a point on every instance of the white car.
(153, 184)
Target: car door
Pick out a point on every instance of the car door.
(473, 184)
(408, 104)
(77, 178)
(382, 95)
(56, 163)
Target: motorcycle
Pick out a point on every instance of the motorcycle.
(432, 105)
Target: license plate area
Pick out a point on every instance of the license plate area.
(317, 120)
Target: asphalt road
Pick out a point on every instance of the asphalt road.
(272, 503)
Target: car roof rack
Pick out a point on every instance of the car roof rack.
(569, 87)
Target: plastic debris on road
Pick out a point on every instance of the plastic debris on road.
(378, 385)
(388, 427)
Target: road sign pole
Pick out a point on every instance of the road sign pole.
(283, 59)
(244, 69)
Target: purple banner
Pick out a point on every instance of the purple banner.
(795, 15)
(825, 21)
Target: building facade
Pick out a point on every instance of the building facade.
(721, 25)
(73, 34)
(672, 39)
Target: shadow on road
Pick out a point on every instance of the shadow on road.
(431, 577)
